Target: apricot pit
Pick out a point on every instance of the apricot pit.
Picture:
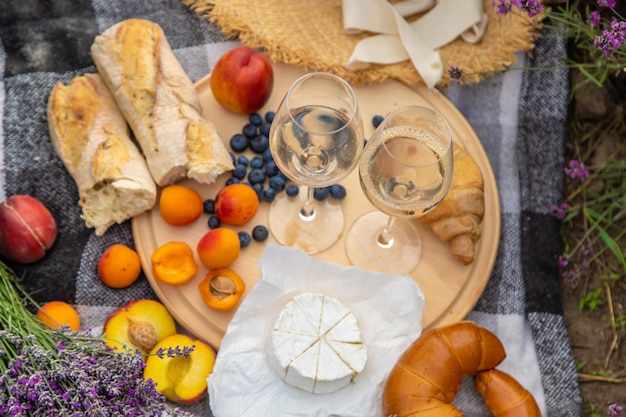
(222, 289)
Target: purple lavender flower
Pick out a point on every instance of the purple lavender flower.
(559, 211)
(577, 170)
(563, 260)
(594, 18)
(606, 3)
(456, 74)
(615, 410)
(531, 7)
(612, 38)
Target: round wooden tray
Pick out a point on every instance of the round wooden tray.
(451, 289)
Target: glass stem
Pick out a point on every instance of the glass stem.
(385, 238)
(307, 212)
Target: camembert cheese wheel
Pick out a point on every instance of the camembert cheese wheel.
(316, 344)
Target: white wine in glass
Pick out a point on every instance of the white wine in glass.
(316, 139)
(405, 171)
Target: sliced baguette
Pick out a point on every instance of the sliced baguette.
(91, 137)
(159, 103)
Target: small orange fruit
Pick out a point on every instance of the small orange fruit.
(173, 263)
(236, 204)
(180, 205)
(58, 313)
(219, 248)
(119, 266)
(222, 289)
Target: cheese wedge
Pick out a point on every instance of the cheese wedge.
(316, 344)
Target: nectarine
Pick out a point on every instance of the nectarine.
(27, 229)
(236, 204)
(180, 379)
(138, 324)
(242, 80)
(218, 248)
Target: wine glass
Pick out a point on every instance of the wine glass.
(315, 139)
(405, 171)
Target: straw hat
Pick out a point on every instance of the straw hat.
(311, 34)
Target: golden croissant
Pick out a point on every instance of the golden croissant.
(457, 218)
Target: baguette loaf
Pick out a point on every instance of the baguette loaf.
(91, 137)
(159, 102)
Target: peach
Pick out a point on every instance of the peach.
(27, 229)
(138, 324)
(236, 204)
(180, 379)
(218, 248)
(242, 80)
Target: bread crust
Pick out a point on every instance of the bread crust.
(458, 217)
(91, 137)
(159, 102)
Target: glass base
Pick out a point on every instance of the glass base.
(365, 251)
(313, 234)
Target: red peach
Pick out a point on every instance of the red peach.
(242, 80)
(27, 229)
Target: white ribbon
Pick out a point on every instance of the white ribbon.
(397, 40)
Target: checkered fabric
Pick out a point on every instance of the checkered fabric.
(519, 116)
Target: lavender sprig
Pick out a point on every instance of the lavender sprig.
(57, 372)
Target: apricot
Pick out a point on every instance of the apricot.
(236, 204)
(27, 229)
(180, 379)
(138, 324)
(180, 205)
(222, 289)
(119, 266)
(218, 248)
(173, 263)
(58, 313)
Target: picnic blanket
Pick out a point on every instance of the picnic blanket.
(518, 115)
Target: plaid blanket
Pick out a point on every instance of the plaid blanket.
(519, 116)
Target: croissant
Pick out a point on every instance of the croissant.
(457, 218)
(428, 375)
(504, 396)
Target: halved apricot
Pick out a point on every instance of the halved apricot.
(173, 263)
(222, 289)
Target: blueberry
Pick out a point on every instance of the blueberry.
(232, 158)
(259, 143)
(238, 143)
(292, 190)
(240, 171)
(244, 239)
(271, 169)
(267, 156)
(269, 116)
(209, 206)
(256, 175)
(260, 233)
(257, 162)
(377, 120)
(214, 222)
(283, 176)
(320, 194)
(269, 195)
(243, 160)
(232, 180)
(256, 119)
(249, 131)
(258, 188)
(337, 191)
(264, 129)
(277, 183)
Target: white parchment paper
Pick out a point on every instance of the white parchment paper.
(389, 312)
